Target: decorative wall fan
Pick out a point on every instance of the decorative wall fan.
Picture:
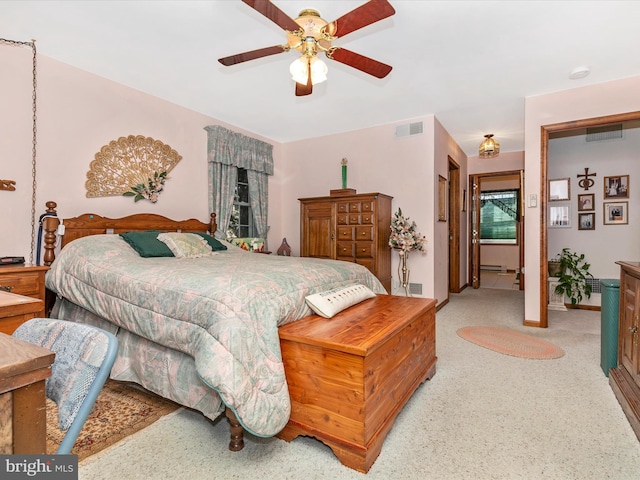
(309, 34)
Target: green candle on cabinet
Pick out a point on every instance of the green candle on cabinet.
(344, 173)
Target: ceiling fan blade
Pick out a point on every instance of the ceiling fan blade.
(362, 63)
(302, 90)
(364, 15)
(273, 13)
(252, 55)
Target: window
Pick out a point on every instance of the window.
(241, 223)
(499, 216)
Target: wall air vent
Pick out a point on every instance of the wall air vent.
(415, 288)
(607, 132)
(409, 129)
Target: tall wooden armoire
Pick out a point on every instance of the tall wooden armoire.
(350, 227)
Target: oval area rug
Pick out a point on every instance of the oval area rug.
(510, 342)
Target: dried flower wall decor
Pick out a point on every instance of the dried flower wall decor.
(132, 166)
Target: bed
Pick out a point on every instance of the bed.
(202, 332)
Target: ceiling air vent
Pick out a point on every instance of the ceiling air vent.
(409, 129)
(608, 132)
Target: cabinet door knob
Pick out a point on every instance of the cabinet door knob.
(6, 288)
(633, 329)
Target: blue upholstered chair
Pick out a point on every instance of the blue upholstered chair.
(84, 357)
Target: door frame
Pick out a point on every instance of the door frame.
(474, 244)
(454, 202)
(545, 130)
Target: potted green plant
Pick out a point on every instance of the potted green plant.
(574, 273)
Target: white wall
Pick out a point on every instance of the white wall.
(620, 96)
(78, 113)
(405, 168)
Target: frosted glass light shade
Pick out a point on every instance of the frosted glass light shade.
(489, 148)
(299, 70)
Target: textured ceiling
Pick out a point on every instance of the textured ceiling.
(469, 63)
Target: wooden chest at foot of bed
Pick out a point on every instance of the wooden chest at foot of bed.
(349, 376)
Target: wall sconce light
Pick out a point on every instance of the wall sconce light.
(489, 148)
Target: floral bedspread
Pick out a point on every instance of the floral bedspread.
(223, 310)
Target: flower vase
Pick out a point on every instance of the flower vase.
(403, 271)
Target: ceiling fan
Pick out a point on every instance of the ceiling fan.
(309, 34)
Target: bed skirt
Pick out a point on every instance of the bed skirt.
(161, 370)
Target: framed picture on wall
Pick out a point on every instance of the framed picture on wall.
(616, 187)
(587, 221)
(586, 202)
(560, 216)
(616, 213)
(559, 190)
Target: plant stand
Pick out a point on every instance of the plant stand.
(556, 300)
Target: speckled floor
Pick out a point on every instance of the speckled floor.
(499, 280)
(484, 415)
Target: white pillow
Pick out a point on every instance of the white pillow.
(327, 304)
(186, 245)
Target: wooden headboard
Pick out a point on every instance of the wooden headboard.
(93, 224)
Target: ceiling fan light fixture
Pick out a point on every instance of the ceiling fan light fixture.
(300, 73)
(489, 148)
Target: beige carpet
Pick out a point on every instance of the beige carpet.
(510, 342)
(483, 416)
(120, 410)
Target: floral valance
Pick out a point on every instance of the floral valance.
(233, 148)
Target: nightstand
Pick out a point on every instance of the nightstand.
(25, 280)
(17, 309)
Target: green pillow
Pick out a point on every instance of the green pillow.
(213, 242)
(147, 244)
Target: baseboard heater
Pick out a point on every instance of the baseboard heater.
(493, 268)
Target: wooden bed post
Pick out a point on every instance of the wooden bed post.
(213, 226)
(236, 443)
(50, 226)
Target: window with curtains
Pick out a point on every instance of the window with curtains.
(239, 167)
(241, 222)
(499, 216)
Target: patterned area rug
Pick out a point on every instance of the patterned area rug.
(510, 342)
(120, 410)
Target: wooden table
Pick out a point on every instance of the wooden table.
(17, 309)
(24, 367)
(349, 376)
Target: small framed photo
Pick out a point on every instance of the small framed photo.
(616, 187)
(586, 202)
(559, 189)
(560, 217)
(587, 221)
(616, 213)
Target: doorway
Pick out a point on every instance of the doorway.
(546, 130)
(497, 254)
(454, 203)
